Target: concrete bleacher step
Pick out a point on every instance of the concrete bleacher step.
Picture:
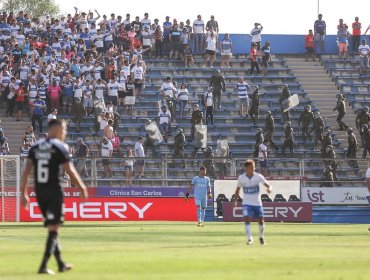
(14, 130)
(322, 91)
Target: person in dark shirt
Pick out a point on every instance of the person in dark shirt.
(46, 158)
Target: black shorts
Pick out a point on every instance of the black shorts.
(105, 161)
(310, 50)
(210, 52)
(51, 206)
(121, 94)
(19, 105)
(138, 84)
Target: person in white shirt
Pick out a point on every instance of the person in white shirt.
(167, 88)
(164, 120)
(198, 29)
(77, 88)
(113, 91)
(139, 152)
(138, 73)
(256, 35)
(183, 97)
(53, 115)
(210, 50)
(208, 103)
(364, 50)
(106, 151)
(262, 157)
(99, 87)
(251, 182)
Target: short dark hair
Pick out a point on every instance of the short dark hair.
(202, 168)
(55, 122)
(249, 162)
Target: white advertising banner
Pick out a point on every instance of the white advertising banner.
(284, 187)
(336, 196)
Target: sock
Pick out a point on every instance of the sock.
(203, 214)
(262, 229)
(49, 249)
(248, 230)
(57, 253)
(199, 214)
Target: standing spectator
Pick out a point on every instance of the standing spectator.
(183, 97)
(254, 108)
(188, 57)
(11, 95)
(164, 121)
(116, 142)
(38, 112)
(78, 113)
(139, 152)
(253, 58)
(19, 101)
(158, 35)
(319, 33)
(210, 50)
(108, 131)
(138, 73)
(24, 150)
(106, 151)
(256, 35)
(54, 93)
(209, 106)
(262, 157)
(364, 51)
(81, 152)
(356, 34)
(113, 92)
(29, 136)
(266, 58)
(342, 40)
(218, 84)
(167, 25)
(175, 39)
(242, 88)
(128, 163)
(226, 50)
(310, 45)
(198, 28)
(53, 115)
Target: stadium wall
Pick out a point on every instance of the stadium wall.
(280, 44)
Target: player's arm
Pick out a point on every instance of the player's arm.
(268, 187)
(24, 184)
(75, 178)
(237, 190)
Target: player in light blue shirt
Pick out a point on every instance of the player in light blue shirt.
(251, 183)
(202, 190)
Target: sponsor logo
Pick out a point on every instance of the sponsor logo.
(315, 196)
(272, 212)
(97, 210)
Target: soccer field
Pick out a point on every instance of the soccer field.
(165, 250)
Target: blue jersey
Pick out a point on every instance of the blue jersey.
(201, 186)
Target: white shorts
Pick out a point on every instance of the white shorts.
(226, 53)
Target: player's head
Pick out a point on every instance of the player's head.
(202, 171)
(57, 129)
(249, 167)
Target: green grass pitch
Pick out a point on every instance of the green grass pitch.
(167, 250)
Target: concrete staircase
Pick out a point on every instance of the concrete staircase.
(14, 131)
(322, 91)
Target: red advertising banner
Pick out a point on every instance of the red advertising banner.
(273, 212)
(119, 209)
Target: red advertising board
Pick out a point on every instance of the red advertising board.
(119, 209)
(273, 212)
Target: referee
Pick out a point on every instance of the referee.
(46, 157)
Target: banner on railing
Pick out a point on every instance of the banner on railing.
(68, 192)
(141, 192)
(273, 212)
(119, 209)
(336, 195)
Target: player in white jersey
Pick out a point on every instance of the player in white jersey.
(251, 182)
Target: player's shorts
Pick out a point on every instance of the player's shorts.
(51, 206)
(202, 202)
(252, 211)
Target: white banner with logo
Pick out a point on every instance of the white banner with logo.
(336, 196)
